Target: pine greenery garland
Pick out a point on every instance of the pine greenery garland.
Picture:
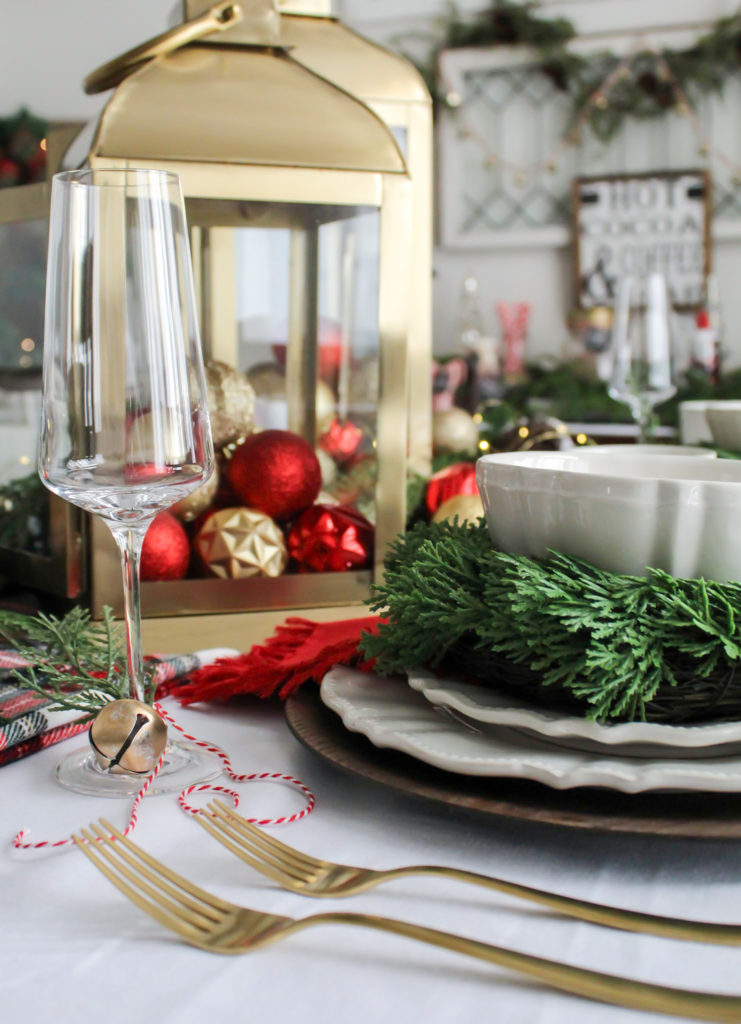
(700, 69)
(76, 663)
(609, 640)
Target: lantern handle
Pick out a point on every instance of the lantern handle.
(218, 18)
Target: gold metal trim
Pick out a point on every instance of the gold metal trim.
(219, 18)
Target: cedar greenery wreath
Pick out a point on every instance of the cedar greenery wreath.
(559, 631)
(699, 69)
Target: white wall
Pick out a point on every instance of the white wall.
(543, 275)
(48, 46)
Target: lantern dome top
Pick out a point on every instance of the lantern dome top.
(328, 47)
(240, 103)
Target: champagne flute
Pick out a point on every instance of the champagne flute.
(125, 430)
(642, 370)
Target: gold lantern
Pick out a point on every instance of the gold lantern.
(300, 207)
(393, 88)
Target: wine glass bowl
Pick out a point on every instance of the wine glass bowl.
(125, 430)
(642, 371)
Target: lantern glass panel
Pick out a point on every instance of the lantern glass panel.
(22, 283)
(303, 323)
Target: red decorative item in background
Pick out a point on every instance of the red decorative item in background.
(460, 478)
(275, 472)
(331, 538)
(341, 441)
(329, 349)
(514, 317)
(166, 551)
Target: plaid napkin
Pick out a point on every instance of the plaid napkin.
(27, 724)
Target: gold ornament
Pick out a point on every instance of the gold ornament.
(193, 504)
(453, 430)
(231, 403)
(467, 507)
(128, 737)
(269, 383)
(235, 543)
(268, 380)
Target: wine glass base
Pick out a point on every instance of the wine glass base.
(184, 765)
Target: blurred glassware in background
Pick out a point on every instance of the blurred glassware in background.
(642, 370)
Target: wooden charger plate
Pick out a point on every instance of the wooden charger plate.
(690, 815)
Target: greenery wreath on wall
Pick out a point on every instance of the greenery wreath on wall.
(646, 91)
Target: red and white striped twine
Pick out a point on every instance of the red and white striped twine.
(19, 842)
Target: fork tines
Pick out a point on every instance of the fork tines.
(169, 898)
(255, 847)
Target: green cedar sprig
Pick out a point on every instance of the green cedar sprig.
(77, 663)
(610, 640)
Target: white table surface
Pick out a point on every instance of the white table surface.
(73, 949)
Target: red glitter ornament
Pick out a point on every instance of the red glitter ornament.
(166, 551)
(275, 472)
(460, 478)
(331, 538)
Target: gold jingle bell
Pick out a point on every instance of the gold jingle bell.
(128, 737)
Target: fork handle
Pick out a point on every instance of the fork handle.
(596, 913)
(608, 988)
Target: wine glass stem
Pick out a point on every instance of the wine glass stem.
(129, 540)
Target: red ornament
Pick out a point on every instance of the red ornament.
(460, 478)
(10, 173)
(166, 551)
(275, 472)
(329, 349)
(331, 538)
(341, 441)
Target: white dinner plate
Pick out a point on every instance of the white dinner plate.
(391, 714)
(629, 739)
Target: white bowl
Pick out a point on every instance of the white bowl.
(649, 449)
(626, 514)
(693, 424)
(724, 421)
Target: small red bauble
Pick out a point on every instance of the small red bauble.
(331, 538)
(341, 440)
(275, 472)
(166, 550)
(460, 478)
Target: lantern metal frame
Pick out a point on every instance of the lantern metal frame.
(225, 160)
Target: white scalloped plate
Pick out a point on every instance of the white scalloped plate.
(392, 715)
(629, 739)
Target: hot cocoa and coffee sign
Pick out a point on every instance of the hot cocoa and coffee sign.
(635, 225)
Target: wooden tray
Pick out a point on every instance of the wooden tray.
(690, 815)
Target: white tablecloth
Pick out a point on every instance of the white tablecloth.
(73, 949)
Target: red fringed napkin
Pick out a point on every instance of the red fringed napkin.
(300, 650)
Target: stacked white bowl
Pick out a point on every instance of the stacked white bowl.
(622, 511)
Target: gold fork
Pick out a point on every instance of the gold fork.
(310, 876)
(210, 923)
